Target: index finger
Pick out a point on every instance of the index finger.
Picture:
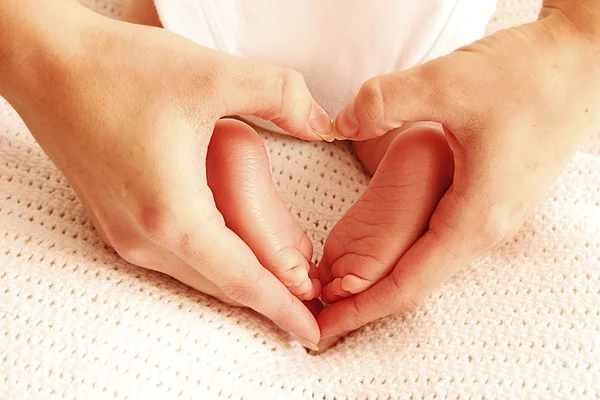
(221, 256)
(274, 94)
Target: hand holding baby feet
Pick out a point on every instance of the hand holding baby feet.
(146, 190)
(501, 102)
(392, 213)
(240, 179)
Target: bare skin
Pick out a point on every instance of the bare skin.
(237, 163)
(507, 147)
(515, 107)
(506, 154)
(412, 169)
(416, 172)
(127, 114)
(255, 213)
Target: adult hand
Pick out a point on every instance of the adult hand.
(127, 113)
(515, 108)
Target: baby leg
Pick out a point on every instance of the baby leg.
(414, 173)
(240, 179)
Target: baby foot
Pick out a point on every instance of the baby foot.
(414, 168)
(240, 179)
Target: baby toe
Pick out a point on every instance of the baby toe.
(294, 276)
(391, 214)
(240, 179)
(355, 284)
(334, 292)
(307, 290)
(300, 278)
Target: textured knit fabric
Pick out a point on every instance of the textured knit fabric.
(76, 322)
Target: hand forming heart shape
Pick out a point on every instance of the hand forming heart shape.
(213, 219)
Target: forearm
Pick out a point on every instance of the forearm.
(36, 35)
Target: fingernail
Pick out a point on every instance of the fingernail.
(320, 123)
(336, 134)
(304, 342)
(346, 123)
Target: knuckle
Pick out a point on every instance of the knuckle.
(205, 85)
(295, 105)
(373, 302)
(156, 220)
(207, 79)
(410, 305)
(293, 88)
(292, 81)
(442, 223)
(287, 305)
(493, 228)
(443, 90)
(481, 227)
(240, 292)
(396, 283)
(164, 226)
(129, 250)
(372, 102)
(405, 304)
(359, 310)
(126, 242)
(136, 250)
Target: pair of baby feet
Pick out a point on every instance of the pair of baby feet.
(412, 168)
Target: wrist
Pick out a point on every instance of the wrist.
(572, 30)
(580, 17)
(37, 39)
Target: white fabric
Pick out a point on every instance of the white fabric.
(76, 322)
(336, 44)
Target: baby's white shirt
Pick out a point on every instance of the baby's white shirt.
(335, 44)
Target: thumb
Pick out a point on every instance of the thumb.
(434, 258)
(275, 94)
(386, 102)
